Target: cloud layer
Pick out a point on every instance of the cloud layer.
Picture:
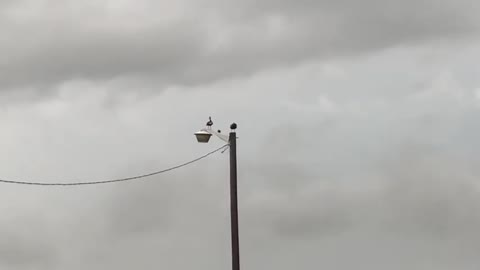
(357, 133)
(49, 42)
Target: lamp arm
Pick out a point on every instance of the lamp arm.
(220, 136)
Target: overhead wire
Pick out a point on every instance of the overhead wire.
(107, 181)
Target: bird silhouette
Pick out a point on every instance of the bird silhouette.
(209, 123)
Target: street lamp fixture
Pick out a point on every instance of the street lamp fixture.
(203, 136)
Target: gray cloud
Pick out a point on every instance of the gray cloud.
(344, 162)
(320, 184)
(53, 41)
(24, 246)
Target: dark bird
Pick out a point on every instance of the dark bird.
(209, 123)
(233, 126)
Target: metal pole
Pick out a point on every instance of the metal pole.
(234, 201)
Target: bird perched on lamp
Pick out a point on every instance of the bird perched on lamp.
(209, 123)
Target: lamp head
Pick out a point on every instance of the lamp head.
(203, 136)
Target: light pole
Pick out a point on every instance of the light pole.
(203, 136)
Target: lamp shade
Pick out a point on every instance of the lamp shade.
(203, 136)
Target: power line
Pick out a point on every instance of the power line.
(138, 177)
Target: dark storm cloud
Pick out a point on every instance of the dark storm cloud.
(73, 54)
(53, 42)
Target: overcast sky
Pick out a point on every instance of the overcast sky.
(358, 133)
